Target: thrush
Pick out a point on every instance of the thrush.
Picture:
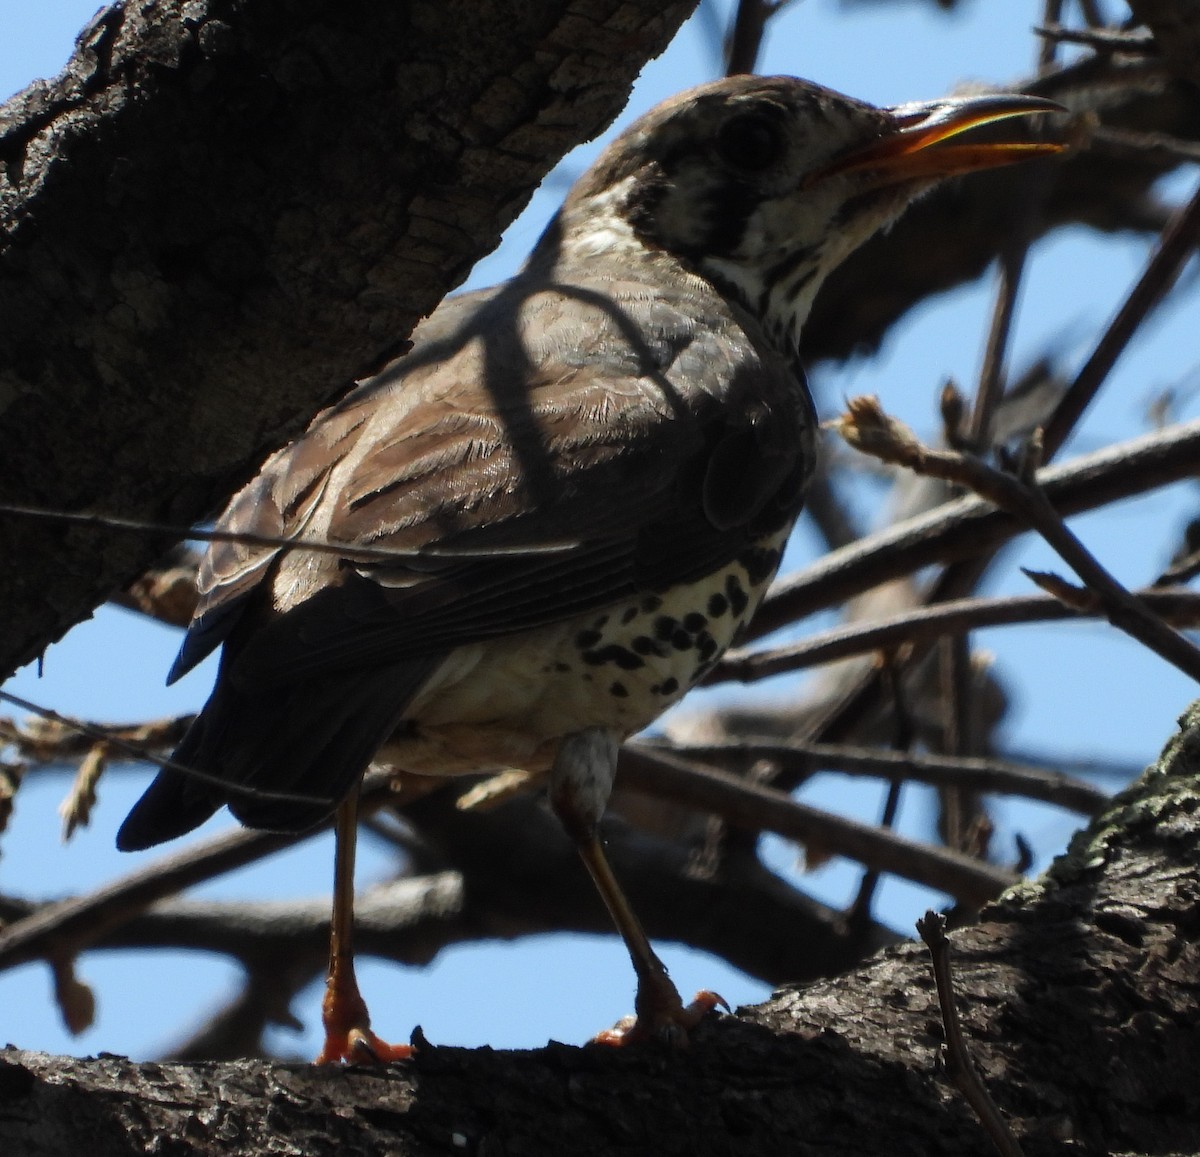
(563, 504)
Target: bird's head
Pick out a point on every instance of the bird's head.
(763, 185)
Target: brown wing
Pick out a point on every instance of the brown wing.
(532, 458)
(526, 481)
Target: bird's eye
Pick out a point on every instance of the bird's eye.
(751, 142)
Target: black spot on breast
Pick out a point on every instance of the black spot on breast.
(694, 622)
(651, 603)
(629, 615)
(622, 656)
(587, 639)
(601, 621)
(668, 686)
(665, 627)
(760, 563)
(738, 599)
(717, 606)
(562, 667)
(644, 645)
(681, 640)
(706, 645)
(619, 690)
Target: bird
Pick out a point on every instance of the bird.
(548, 519)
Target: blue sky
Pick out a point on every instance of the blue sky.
(1076, 689)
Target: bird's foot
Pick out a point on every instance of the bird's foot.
(668, 1021)
(348, 1035)
(360, 1046)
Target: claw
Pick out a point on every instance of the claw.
(668, 1025)
(360, 1046)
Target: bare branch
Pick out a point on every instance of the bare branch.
(764, 809)
(801, 760)
(966, 527)
(959, 1066)
(1179, 606)
(1176, 246)
(867, 428)
(1100, 39)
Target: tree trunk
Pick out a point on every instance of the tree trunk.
(222, 213)
(1078, 991)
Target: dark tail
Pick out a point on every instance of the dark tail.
(286, 757)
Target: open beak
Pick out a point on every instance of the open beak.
(923, 140)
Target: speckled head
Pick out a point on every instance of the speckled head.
(764, 184)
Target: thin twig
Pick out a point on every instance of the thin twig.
(1048, 49)
(903, 734)
(1138, 145)
(959, 1066)
(962, 820)
(1033, 189)
(991, 376)
(1179, 606)
(967, 527)
(1092, 14)
(1100, 39)
(1182, 569)
(344, 550)
(103, 734)
(761, 808)
(801, 760)
(70, 925)
(869, 429)
(42, 740)
(746, 36)
(1178, 242)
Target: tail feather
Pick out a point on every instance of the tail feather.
(170, 807)
(289, 755)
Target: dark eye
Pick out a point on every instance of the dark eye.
(751, 142)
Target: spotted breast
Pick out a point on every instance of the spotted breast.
(489, 707)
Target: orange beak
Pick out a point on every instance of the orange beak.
(914, 148)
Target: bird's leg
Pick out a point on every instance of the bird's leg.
(348, 1035)
(580, 783)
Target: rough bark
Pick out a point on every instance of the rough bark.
(1078, 991)
(223, 211)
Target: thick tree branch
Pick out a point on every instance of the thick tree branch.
(1078, 998)
(224, 211)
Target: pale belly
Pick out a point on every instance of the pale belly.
(508, 702)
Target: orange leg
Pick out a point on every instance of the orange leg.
(348, 1035)
(580, 783)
